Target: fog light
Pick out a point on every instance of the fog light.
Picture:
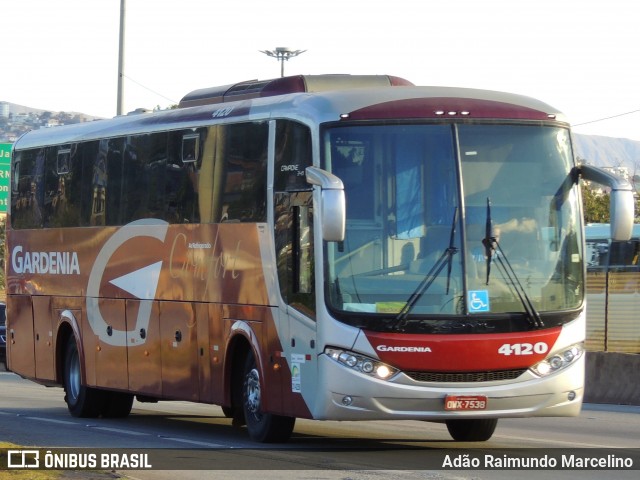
(571, 396)
(347, 400)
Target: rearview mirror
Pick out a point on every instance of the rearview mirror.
(333, 210)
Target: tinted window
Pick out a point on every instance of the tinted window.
(244, 196)
(27, 200)
(188, 176)
(293, 156)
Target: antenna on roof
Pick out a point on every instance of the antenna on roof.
(282, 54)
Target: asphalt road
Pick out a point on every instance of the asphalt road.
(201, 441)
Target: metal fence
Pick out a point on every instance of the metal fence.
(613, 292)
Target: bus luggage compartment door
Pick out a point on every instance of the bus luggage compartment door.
(20, 352)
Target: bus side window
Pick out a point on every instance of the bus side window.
(293, 217)
(63, 187)
(182, 173)
(94, 183)
(108, 176)
(294, 250)
(27, 200)
(244, 182)
(145, 167)
(293, 156)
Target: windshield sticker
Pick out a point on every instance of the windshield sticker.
(478, 301)
(389, 307)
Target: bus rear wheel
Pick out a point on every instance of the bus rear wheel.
(262, 427)
(472, 430)
(117, 404)
(82, 401)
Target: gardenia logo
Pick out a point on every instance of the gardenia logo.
(385, 348)
(53, 263)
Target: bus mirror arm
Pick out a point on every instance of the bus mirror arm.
(621, 207)
(333, 211)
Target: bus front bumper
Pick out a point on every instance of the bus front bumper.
(355, 396)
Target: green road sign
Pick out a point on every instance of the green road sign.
(5, 167)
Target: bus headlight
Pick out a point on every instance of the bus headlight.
(558, 360)
(361, 363)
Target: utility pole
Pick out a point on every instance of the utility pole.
(282, 54)
(120, 100)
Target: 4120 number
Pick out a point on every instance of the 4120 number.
(523, 348)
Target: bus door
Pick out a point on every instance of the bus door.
(293, 227)
(294, 252)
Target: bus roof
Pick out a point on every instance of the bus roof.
(317, 99)
(284, 85)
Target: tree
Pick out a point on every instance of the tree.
(595, 206)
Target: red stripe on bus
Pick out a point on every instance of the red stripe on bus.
(463, 352)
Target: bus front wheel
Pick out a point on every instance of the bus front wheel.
(262, 427)
(472, 430)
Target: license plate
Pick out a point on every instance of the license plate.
(465, 402)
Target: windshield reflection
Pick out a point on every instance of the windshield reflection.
(402, 190)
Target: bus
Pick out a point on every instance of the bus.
(328, 247)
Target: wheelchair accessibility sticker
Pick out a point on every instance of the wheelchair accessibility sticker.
(478, 301)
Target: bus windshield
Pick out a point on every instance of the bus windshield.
(450, 219)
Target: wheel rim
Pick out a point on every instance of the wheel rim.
(74, 377)
(252, 393)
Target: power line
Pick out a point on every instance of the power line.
(606, 118)
(147, 88)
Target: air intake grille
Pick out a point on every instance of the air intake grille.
(461, 377)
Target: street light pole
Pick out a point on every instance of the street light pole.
(119, 106)
(281, 54)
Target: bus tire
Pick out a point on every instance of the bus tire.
(472, 429)
(82, 401)
(262, 427)
(117, 405)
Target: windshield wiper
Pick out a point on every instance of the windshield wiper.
(445, 259)
(489, 239)
(492, 248)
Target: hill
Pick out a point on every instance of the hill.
(608, 152)
(21, 109)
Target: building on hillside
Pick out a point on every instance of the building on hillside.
(619, 171)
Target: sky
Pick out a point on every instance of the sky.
(580, 56)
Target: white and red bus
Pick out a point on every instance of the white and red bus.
(324, 247)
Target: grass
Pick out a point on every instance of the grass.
(23, 474)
